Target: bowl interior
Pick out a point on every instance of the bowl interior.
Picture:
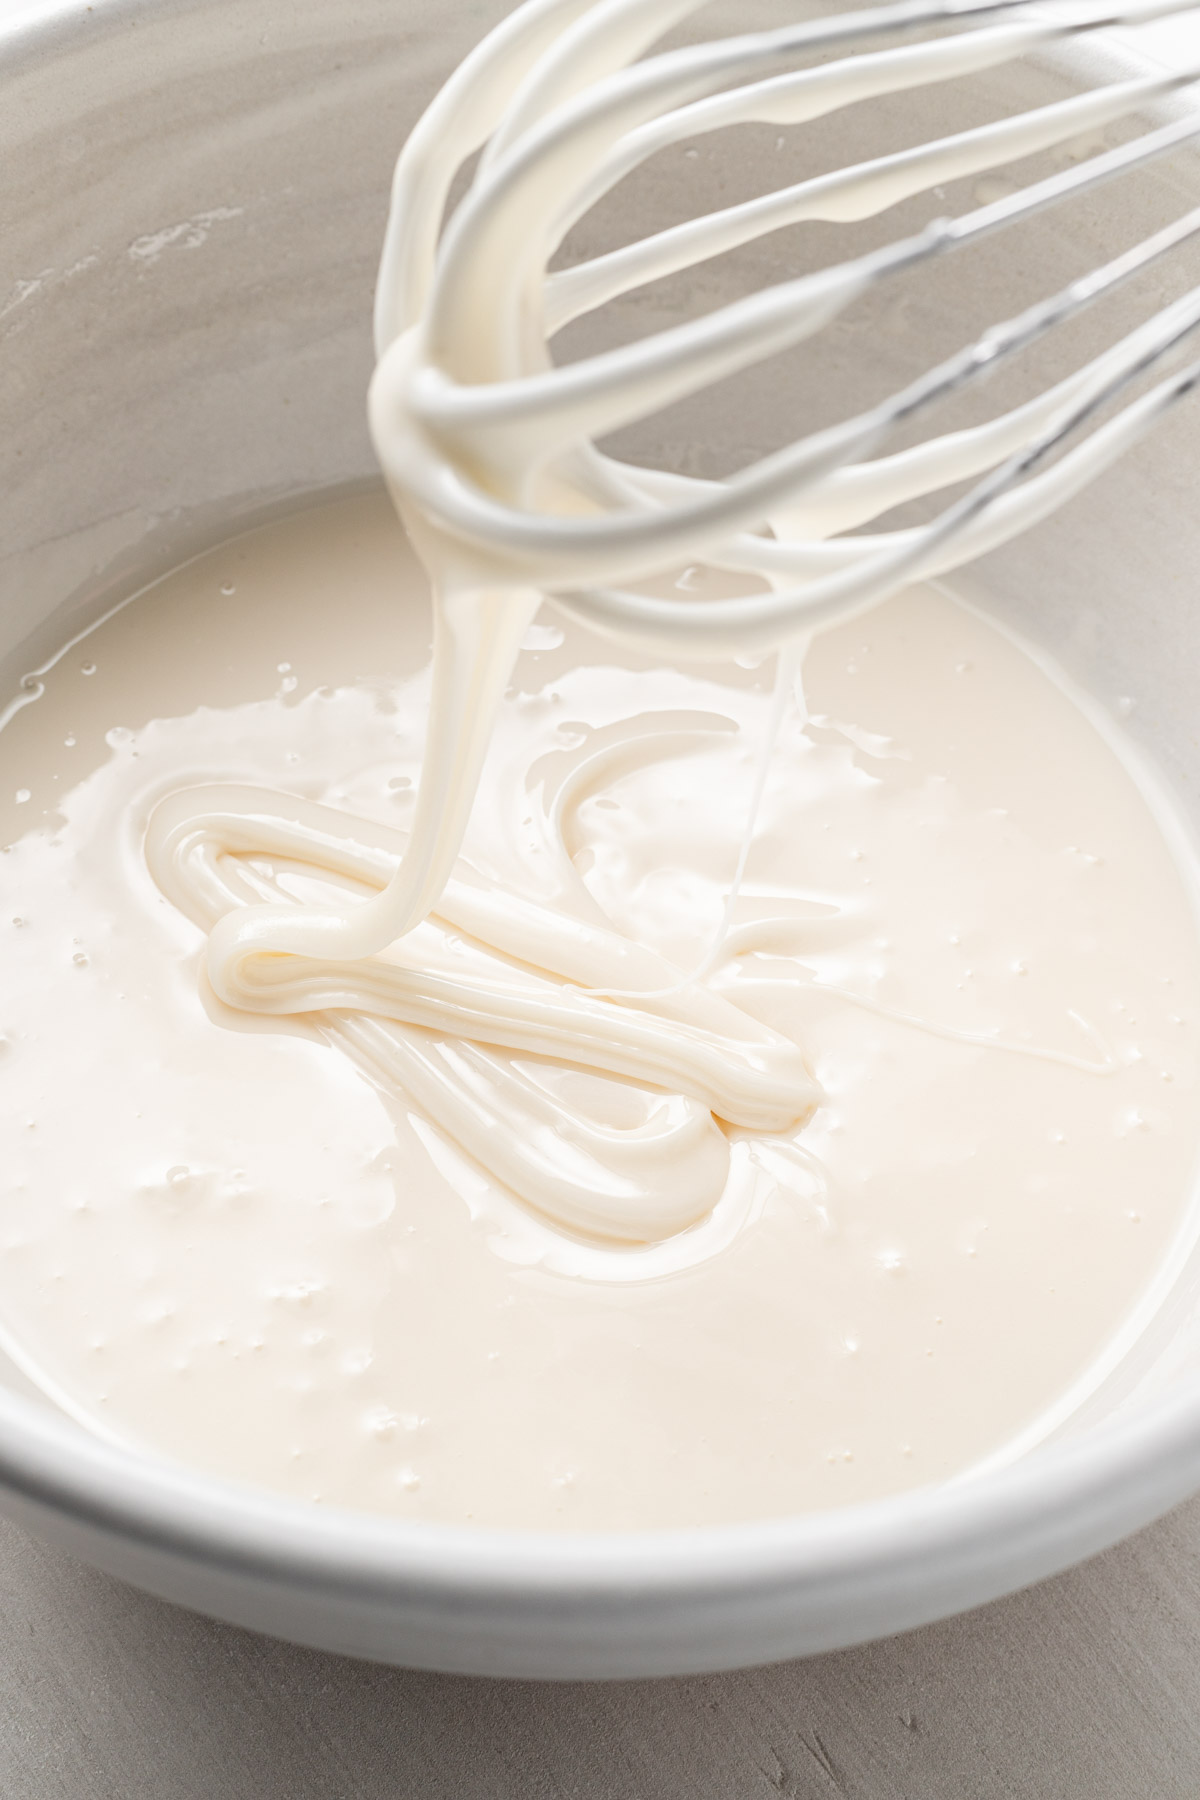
(193, 198)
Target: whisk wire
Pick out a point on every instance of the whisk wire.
(501, 455)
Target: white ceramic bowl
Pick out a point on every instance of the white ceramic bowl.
(192, 194)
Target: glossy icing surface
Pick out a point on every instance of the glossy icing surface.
(332, 1253)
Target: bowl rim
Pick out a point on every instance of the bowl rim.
(1058, 1504)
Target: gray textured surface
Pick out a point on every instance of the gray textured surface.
(1087, 1688)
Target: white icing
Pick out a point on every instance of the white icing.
(360, 1258)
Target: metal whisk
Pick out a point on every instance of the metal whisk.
(491, 449)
